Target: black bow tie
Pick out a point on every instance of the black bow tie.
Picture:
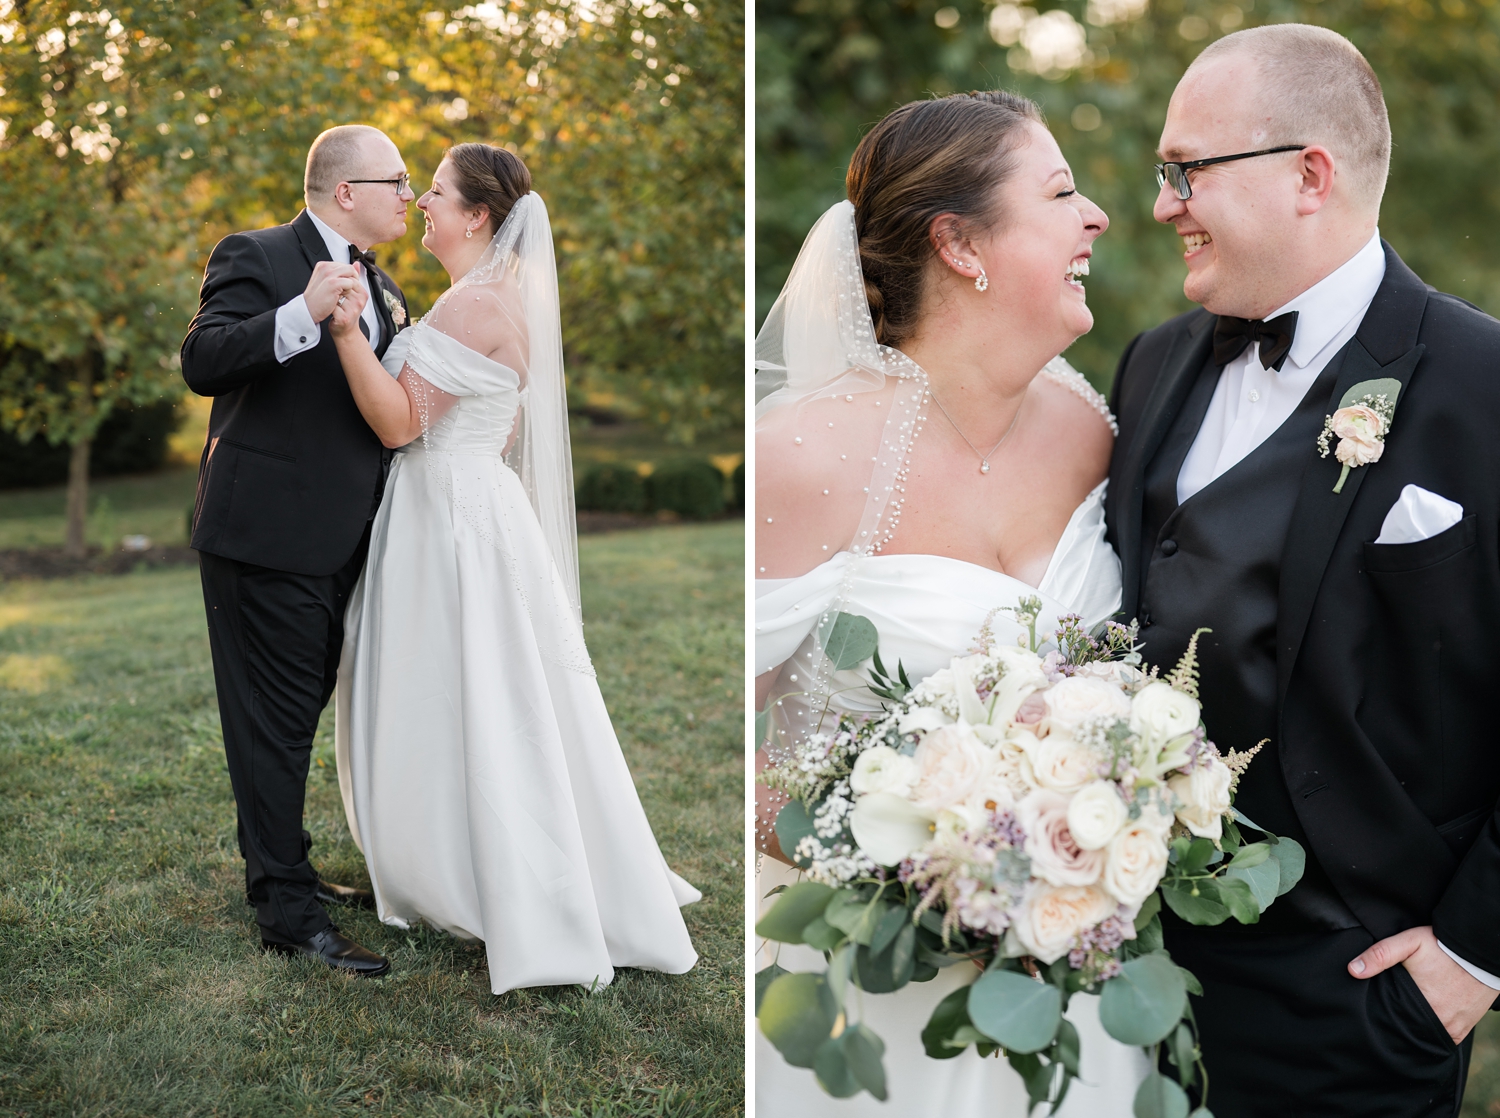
(1233, 335)
(365, 258)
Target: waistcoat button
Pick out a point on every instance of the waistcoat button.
(1169, 547)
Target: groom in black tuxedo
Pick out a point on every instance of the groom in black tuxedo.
(290, 478)
(1354, 626)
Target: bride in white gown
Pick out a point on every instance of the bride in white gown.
(924, 457)
(480, 773)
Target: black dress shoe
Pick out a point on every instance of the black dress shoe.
(329, 893)
(338, 951)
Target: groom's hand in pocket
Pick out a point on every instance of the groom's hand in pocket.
(1456, 996)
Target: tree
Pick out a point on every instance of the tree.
(1103, 71)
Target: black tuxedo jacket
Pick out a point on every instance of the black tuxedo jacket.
(1386, 653)
(290, 472)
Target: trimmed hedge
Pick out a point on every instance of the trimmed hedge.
(610, 487)
(737, 482)
(690, 487)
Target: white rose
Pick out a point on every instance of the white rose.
(922, 720)
(1112, 671)
(889, 828)
(995, 790)
(1055, 854)
(1096, 814)
(1137, 859)
(1060, 763)
(882, 769)
(1205, 798)
(1052, 918)
(1159, 713)
(1079, 698)
(950, 762)
(936, 688)
(957, 820)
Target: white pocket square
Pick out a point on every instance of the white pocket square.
(1419, 514)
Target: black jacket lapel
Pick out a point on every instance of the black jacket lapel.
(313, 245)
(1178, 371)
(1385, 346)
(379, 286)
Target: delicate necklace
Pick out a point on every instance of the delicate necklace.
(984, 459)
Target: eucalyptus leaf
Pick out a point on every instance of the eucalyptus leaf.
(947, 1019)
(891, 922)
(797, 1016)
(831, 1066)
(822, 935)
(1235, 895)
(1190, 980)
(1263, 880)
(1015, 1011)
(1293, 861)
(763, 979)
(1149, 908)
(888, 970)
(854, 915)
(865, 1051)
(1069, 1046)
(1198, 855)
(1202, 909)
(794, 910)
(793, 824)
(1202, 1112)
(1184, 1053)
(1252, 855)
(837, 978)
(1159, 1097)
(1388, 387)
(1144, 1002)
(848, 640)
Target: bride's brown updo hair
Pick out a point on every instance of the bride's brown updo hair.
(928, 158)
(489, 176)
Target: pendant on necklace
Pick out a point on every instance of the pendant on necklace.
(984, 465)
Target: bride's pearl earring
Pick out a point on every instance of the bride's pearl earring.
(469, 235)
(981, 281)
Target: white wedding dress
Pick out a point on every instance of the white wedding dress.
(856, 408)
(481, 776)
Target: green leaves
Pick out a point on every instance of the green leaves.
(763, 980)
(797, 1015)
(1019, 1013)
(1144, 1002)
(1159, 1097)
(793, 824)
(794, 911)
(940, 1036)
(848, 640)
(1292, 860)
(1195, 901)
(851, 1061)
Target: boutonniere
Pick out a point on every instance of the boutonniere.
(1361, 423)
(393, 304)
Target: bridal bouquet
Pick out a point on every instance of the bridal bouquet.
(1022, 812)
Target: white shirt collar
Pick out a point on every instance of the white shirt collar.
(338, 244)
(1325, 308)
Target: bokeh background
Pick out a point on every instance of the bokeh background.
(132, 137)
(1103, 71)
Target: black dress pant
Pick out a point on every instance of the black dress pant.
(276, 639)
(1288, 1033)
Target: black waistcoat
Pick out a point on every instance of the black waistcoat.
(1215, 562)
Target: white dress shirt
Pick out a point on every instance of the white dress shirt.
(1250, 402)
(296, 332)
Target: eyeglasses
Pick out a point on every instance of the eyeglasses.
(402, 183)
(1175, 175)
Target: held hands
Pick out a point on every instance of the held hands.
(347, 308)
(1456, 996)
(329, 282)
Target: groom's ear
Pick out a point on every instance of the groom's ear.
(1318, 170)
(343, 196)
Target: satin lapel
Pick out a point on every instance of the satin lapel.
(382, 311)
(1178, 371)
(314, 247)
(1384, 346)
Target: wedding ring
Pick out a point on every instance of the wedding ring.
(341, 299)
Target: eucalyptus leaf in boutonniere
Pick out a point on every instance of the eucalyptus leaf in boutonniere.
(1361, 423)
(393, 304)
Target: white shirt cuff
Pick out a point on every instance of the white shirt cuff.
(1483, 975)
(296, 332)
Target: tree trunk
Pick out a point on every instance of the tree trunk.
(75, 546)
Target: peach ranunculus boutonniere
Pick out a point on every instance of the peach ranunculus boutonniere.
(1361, 424)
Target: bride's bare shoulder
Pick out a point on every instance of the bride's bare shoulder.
(813, 463)
(1078, 418)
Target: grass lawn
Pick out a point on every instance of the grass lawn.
(131, 982)
(1482, 1100)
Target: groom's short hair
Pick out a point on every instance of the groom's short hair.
(334, 156)
(1318, 89)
